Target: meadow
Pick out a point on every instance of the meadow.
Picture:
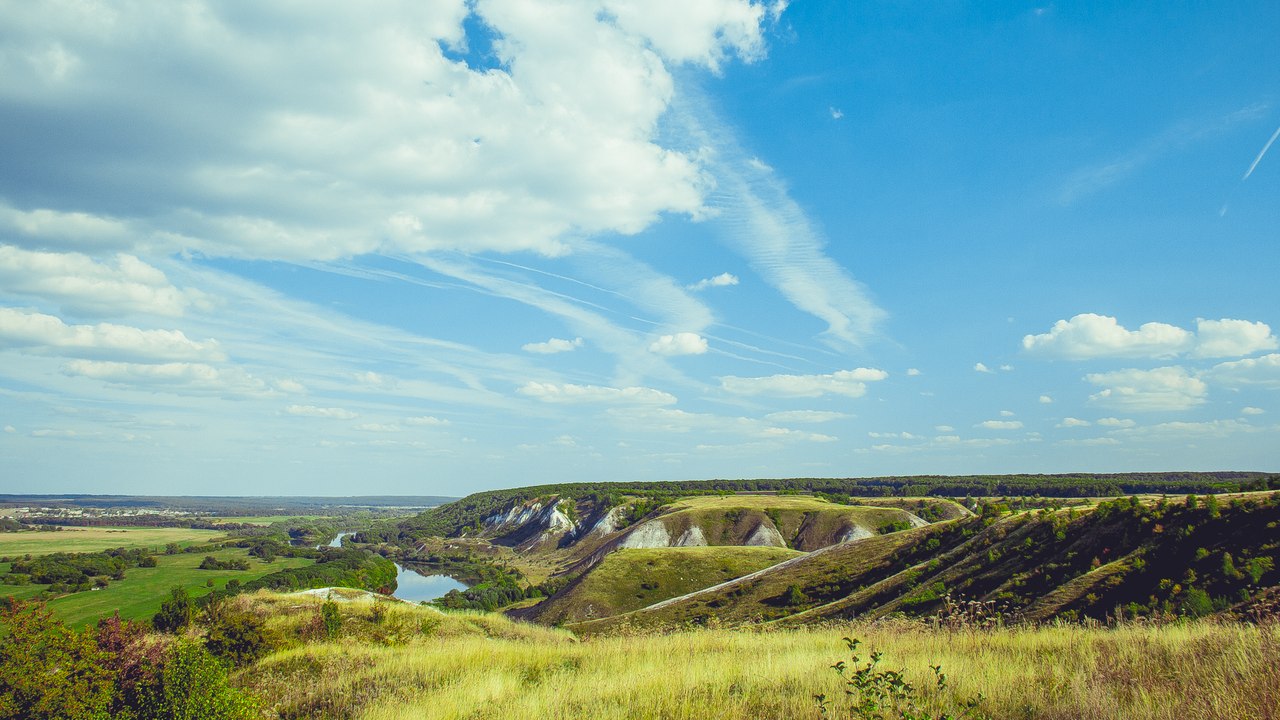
(97, 539)
(478, 666)
(139, 594)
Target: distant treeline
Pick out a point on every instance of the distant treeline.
(231, 506)
(450, 519)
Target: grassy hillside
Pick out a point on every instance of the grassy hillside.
(630, 579)
(411, 662)
(1192, 557)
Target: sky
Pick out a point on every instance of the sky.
(440, 247)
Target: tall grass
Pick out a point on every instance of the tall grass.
(475, 666)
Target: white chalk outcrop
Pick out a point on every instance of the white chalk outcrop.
(692, 537)
(765, 536)
(652, 534)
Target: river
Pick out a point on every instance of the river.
(412, 585)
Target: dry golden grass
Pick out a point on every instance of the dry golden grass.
(466, 665)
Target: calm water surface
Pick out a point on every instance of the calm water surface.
(412, 585)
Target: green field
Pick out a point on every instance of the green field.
(97, 539)
(139, 595)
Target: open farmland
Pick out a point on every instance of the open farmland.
(97, 539)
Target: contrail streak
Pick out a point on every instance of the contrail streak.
(1258, 159)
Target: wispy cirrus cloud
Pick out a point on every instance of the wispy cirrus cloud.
(1094, 178)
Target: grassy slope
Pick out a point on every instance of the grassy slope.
(139, 595)
(1037, 565)
(415, 662)
(631, 579)
(97, 539)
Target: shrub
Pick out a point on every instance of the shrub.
(192, 685)
(238, 637)
(48, 670)
(175, 612)
(876, 694)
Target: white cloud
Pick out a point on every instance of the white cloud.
(982, 368)
(82, 285)
(426, 420)
(760, 220)
(806, 416)
(568, 393)
(1045, 400)
(1089, 442)
(379, 427)
(722, 280)
(893, 435)
(684, 343)
(836, 113)
(181, 378)
(1116, 422)
(1251, 411)
(913, 372)
(1194, 430)
(552, 346)
(320, 412)
(46, 333)
(1261, 371)
(1000, 424)
(1070, 422)
(668, 420)
(317, 148)
(1161, 389)
(944, 428)
(1088, 336)
(1006, 368)
(1007, 413)
(849, 383)
(1232, 338)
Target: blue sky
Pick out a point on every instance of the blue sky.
(306, 248)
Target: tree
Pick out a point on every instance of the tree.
(175, 612)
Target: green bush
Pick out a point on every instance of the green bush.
(48, 670)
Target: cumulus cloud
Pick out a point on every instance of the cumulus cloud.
(179, 378)
(426, 420)
(1116, 422)
(316, 148)
(849, 383)
(1232, 338)
(552, 346)
(1088, 335)
(1161, 389)
(576, 394)
(982, 368)
(1045, 400)
(82, 285)
(320, 412)
(1251, 411)
(722, 280)
(685, 343)
(1070, 422)
(913, 372)
(46, 333)
(1000, 424)
(1261, 372)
